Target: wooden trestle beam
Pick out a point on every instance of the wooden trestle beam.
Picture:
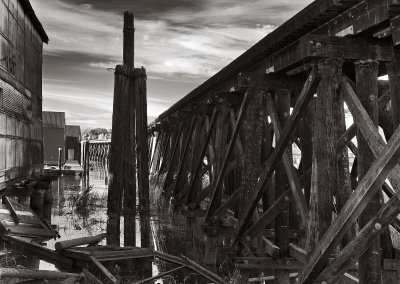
(385, 165)
(276, 155)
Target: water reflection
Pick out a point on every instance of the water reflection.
(78, 211)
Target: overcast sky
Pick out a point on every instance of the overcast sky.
(181, 43)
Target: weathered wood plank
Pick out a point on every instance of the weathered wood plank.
(12, 210)
(60, 245)
(324, 167)
(41, 252)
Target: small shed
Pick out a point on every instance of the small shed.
(53, 137)
(72, 142)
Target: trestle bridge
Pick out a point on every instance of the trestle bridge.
(226, 150)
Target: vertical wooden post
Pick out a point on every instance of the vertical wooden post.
(367, 91)
(253, 133)
(115, 188)
(87, 164)
(129, 154)
(282, 99)
(142, 155)
(59, 158)
(324, 167)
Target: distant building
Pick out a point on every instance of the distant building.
(21, 49)
(72, 142)
(53, 137)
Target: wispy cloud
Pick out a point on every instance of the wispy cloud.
(181, 43)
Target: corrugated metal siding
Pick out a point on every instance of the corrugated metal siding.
(15, 102)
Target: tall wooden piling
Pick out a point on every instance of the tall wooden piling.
(129, 128)
(324, 168)
(129, 144)
(142, 155)
(116, 151)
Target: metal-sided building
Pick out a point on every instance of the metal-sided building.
(72, 142)
(21, 49)
(53, 136)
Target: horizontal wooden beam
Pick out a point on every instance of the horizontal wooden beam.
(266, 263)
(313, 47)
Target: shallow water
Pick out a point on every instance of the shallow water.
(70, 222)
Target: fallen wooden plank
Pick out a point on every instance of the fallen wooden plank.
(151, 279)
(60, 245)
(190, 264)
(39, 251)
(13, 212)
(104, 270)
(35, 274)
